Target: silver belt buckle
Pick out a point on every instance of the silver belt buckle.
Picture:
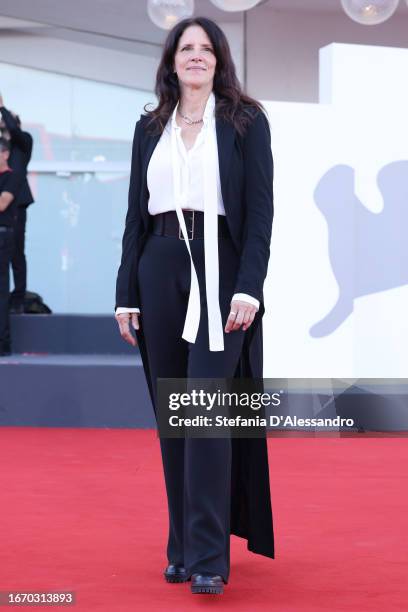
(188, 230)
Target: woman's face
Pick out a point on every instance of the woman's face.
(194, 60)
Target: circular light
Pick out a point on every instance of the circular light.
(166, 13)
(369, 12)
(235, 5)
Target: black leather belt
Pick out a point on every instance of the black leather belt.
(167, 224)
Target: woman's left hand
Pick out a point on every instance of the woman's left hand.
(242, 313)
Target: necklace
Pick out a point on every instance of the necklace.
(188, 120)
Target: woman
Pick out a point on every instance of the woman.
(201, 175)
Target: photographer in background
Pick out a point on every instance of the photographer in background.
(21, 148)
(10, 184)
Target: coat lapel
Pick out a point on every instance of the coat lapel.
(150, 144)
(225, 141)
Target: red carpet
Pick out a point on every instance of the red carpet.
(85, 510)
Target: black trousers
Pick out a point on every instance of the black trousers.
(18, 260)
(6, 252)
(197, 470)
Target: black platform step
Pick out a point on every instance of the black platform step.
(68, 334)
(74, 391)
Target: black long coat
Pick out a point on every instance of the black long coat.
(246, 175)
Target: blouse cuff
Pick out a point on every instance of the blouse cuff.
(122, 310)
(246, 298)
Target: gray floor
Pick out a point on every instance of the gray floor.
(76, 360)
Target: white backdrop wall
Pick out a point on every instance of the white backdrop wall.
(337, 288)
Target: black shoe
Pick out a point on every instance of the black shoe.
(175, 573)
(207, 583)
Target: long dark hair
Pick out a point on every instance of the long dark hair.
(231, 103)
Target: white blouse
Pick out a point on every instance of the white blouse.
(193, 180)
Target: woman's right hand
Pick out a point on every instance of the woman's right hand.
(123, 321)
